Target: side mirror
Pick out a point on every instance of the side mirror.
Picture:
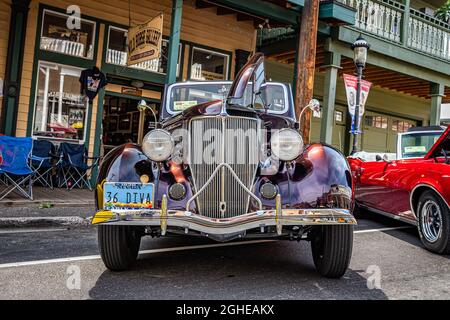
(378, 157)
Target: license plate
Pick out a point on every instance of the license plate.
(128, 195)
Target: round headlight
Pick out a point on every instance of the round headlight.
(286, 144)
(157, 145)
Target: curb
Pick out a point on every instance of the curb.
(23, 222)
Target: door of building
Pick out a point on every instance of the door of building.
(123, 121)
(338, 137)
(380, 131)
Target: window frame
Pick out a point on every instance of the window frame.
(59, 13)
(225, 54)
(111, 26)
(87, 112)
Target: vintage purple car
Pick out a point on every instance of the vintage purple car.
(226, 162)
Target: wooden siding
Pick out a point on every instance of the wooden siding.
(5, 15)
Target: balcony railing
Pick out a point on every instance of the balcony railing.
(120, 58)
(388, 18)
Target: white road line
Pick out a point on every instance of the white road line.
(31, 230)
(142, 252)
(145, 252)
(382, 229)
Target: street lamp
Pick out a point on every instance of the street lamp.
(359, 47)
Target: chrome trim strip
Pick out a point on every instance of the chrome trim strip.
(252, 220)
(389, 215)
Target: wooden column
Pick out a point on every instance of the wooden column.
(174, 41)
(14, 62)
(436, 94)
(306, 60)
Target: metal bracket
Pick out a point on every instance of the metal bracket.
(163, 219)
(278, 214)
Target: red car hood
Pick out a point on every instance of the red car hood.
(439, 144)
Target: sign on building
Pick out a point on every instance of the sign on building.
(351, 83)
(144, 41)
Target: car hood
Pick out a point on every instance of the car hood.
(442, 143)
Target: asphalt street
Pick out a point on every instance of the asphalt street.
(388, 262)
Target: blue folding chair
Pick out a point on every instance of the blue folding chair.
(14, 166)
(42, 162)
(73, 166)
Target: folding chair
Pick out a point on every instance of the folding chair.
(14, 167)
(73, 166)
(42, 154)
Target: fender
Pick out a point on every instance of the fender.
(320, 177)
(425, 185)
(124, 163)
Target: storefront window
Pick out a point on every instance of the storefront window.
(117, 53)
(208, 65)
(56, 36)
(379, 122)
(60, 110)
(401, 126)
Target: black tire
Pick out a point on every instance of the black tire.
(358, 212)
(119, 246)
(441, 244)
(332, 249)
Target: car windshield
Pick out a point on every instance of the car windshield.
(184, 96)
(416, 145)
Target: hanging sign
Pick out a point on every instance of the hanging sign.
(351, 83)
(144, 41)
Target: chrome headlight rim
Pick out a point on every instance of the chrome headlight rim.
(169, 153)
(275, 150)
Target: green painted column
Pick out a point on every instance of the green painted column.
(174, 41)
(333, 62)
(436, 94)
(14, 62)
(98, 131)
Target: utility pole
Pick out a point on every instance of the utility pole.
(306, 63)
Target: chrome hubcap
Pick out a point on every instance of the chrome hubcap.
(431, 221)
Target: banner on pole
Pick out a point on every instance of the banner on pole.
(144, 41)
(351, 83)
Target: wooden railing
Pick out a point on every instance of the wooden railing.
(388, 18)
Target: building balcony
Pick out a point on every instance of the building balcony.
(392, 21)
(389, 21)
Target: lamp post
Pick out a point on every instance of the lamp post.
(359, 47)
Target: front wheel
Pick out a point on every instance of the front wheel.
(434, 223)
(332, 249)
(119, 246)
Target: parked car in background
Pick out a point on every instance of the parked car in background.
(227, 162)
(414, 187)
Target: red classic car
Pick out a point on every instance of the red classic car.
(414, 187)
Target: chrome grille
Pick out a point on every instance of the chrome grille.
(233, 140)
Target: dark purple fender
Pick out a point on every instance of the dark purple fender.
(320, 177)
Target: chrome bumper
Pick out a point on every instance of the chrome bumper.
(191, 221)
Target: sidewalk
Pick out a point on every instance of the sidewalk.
(58, 197)
(57, 207)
